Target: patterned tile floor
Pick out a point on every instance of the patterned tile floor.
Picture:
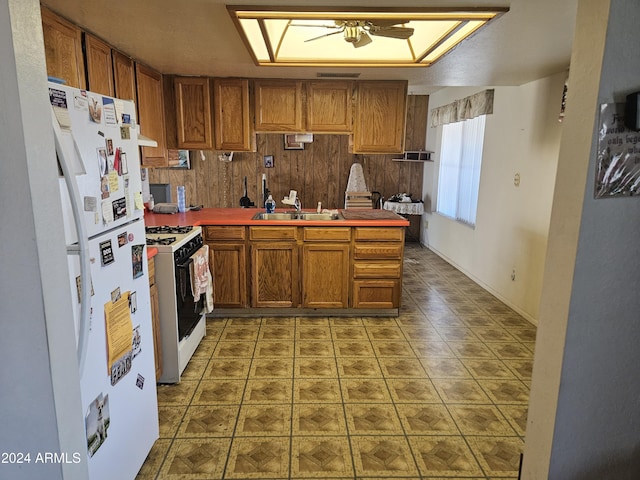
(439, 392)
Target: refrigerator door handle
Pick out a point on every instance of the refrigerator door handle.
(83, 244)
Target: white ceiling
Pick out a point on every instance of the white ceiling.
(197, 37)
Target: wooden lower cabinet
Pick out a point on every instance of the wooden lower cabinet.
(274, 274)
(228, 265)
(155, 318)
(325, 275)
(276, 266)
(377, 267)
(379, 293)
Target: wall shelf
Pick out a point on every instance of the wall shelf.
(415, 156)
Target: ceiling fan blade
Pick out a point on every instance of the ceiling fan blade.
(322, 36)
(364, 40)
(313, 25)
(386, 23)
(401, 33)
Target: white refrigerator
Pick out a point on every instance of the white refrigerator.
(101, 195)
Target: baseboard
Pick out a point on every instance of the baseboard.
(303, 312)
(526, 315)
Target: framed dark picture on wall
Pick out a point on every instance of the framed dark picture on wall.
(290, 143)
(268, 161)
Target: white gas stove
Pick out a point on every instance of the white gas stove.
(182, 325)
(168, 239)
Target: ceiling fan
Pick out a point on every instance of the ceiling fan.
(357, 32)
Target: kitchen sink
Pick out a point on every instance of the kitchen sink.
(309, 216)
(274, 216)
(319, 216)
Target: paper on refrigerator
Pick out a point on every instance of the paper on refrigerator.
(119, 330)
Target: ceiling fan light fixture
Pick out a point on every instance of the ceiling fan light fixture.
(400, 37)
(352, 34)
(364, 39)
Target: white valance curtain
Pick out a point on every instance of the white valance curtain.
(466, 108)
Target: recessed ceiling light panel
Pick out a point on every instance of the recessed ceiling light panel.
(310, 36)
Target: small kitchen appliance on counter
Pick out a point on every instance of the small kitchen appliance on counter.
(182, 321)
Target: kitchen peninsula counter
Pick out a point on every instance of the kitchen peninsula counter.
(244, 216)
(346, 267)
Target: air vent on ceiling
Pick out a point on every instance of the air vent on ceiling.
(337, 75)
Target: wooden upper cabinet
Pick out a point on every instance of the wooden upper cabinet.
(381, 108)
(232, 118)
(124, 77)
(151, 115)
(193, 112)
(329, 106)
(278, 105)
(63, 49)
(99, 65)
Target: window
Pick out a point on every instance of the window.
(460, 161)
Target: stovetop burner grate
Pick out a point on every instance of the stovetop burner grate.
(168, 229)
(161, 241)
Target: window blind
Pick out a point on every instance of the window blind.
(460, 163)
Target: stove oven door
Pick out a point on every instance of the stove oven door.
(189, 311)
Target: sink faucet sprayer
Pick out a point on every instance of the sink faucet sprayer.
(293, 200)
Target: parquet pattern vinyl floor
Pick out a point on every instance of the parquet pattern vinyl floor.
(439, 392)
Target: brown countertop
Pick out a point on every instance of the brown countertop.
(243, 216)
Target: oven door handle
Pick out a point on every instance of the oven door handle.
(185, 264)
(183, 280)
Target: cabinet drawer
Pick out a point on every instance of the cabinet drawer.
(375, 234)
(224, 232)
(377, 270)
(377, 251)
(272, 233)
(329, 234)
(152, 271)
(376, 294)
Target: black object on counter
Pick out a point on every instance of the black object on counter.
(377, 199)
(245, 201)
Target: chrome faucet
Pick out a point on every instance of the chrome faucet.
(293, 200)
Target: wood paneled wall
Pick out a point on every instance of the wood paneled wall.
(319, 173)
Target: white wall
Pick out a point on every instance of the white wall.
(583, 417)
(522, 137)
(40, 408)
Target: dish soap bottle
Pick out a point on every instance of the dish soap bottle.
(270, 204)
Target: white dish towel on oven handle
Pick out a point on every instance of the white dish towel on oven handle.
(201, 280)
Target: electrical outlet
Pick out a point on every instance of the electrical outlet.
(513, 275)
